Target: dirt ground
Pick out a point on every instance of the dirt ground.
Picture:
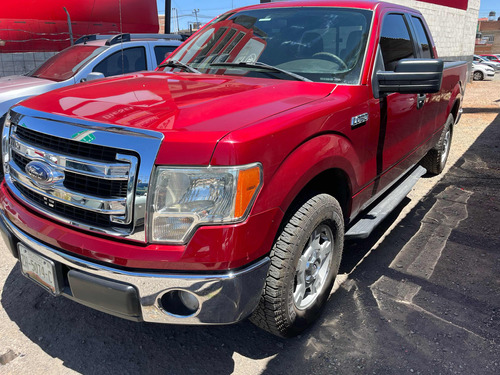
(419, 296)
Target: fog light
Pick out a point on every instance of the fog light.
(180, 303)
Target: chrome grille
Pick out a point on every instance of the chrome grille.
(84, 184)
(96, 169)
(78, 214)
(65, 146)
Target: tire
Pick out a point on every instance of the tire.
(435, 160)
(305, 260)
(478, 76)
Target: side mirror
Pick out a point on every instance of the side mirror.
(92, 76)
(412, 76)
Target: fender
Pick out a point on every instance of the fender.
(307, 161)
(456, 94)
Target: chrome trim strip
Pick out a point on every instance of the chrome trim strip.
(129, 201)
(59, 193)
(224, 298)
(117, 232)
(138, 142)
(71, 164)
(66, 127)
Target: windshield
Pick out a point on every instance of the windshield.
(67, 63)
(320, 44)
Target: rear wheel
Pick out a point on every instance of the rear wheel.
(304, 264)
(436, 158)
(478, 76)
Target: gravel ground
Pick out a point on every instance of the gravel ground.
(421, 295)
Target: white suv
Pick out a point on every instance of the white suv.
(91, 57)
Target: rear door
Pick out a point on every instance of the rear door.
(430, 104)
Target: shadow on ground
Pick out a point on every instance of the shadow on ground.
(425, 300)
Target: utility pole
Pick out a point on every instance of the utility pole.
(175, 13)
(168, 15)
(195, 11)
(69, 26)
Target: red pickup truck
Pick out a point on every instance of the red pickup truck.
(223, 185)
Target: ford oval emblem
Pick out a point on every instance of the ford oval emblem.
(42, 173)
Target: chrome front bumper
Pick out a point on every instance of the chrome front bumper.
(223, 298)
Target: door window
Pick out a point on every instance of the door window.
(395, 41)
(162, 52)
(126, 61)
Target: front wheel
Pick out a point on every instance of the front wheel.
(478, 76)
(305, 261)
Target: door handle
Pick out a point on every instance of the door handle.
(421, 100)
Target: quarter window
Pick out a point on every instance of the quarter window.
(422, 38)
(395, 41)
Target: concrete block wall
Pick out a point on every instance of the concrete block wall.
(21, 63)
(453, 30)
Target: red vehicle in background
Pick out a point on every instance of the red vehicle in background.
(223, 185)
(491, 57)
(29, 26)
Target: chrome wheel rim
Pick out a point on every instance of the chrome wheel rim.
(478, 76)
(446, 147)
(313, 267)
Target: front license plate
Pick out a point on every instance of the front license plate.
(38, 268)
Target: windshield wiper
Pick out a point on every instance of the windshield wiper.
(178, 64)
(261, 65)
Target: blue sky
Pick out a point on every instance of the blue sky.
(210, 9)
(487, 6)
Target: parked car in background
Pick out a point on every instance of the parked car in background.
(491, 57)
(482, 60)
(92, 57)
(482, 72)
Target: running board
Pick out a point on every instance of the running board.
(367, 223)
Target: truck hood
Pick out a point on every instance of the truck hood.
(193, 111)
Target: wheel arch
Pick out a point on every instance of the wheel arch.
(324, 164)
(333, 181)
(455, 103)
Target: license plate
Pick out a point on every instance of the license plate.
(38, 268)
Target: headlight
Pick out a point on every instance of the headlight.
(181, 199)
